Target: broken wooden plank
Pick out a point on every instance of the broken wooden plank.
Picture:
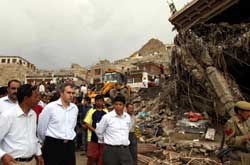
(146, 148)
(144, 159)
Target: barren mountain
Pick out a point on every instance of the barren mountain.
(151, 47)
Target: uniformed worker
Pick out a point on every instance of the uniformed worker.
(237, 133)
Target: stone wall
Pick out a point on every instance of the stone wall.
(12, 71)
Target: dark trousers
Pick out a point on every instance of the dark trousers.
(78, 140)
(85, 139)
(58, 152)
(133, 147)
(117, 155)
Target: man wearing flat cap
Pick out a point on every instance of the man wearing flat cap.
(114, 130)
(237, 133)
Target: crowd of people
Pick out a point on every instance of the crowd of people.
(46, 124)
(46, 128)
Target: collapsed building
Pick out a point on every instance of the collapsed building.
(210, 64)
(211, 57)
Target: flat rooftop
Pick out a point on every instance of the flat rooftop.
(212, 11)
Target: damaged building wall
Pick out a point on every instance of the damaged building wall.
(208, 60)
(209, 67)
(184, 116)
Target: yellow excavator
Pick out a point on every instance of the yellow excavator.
(114, 83)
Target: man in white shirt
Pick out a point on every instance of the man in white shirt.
(132, 137)
(113, 129)
(10, 100)
(42, 88)
(56, 126)
(145, 82)
(19, 144)
(84, 90)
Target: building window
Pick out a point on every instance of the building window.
(97, 80)
(3, 60)
(8, 61)
(14, 61)
(97, 71)
(20, 62)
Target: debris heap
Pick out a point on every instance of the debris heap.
(209, 67)
(210, 63)
(161, 141)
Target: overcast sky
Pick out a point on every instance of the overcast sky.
(53, 34)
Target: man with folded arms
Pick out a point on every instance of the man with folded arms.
(18, 142)
(114, 130)
(56, 126)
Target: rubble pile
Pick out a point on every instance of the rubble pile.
(208, 64)
(161, 141)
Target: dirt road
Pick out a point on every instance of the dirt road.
(80, 160)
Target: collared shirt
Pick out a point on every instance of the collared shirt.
(18, 134)
(57, 122)
(133, 123)
(84, 89)
(114, 129)
(43, 104)
(5, 104)
(41, 88)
